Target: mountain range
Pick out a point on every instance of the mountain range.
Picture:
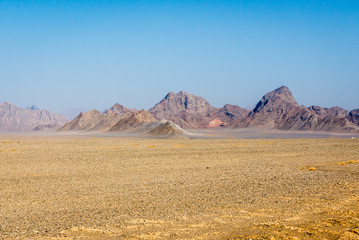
(14, 118)
(177, 111)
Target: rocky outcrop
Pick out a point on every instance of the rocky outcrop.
(270, 109)
(184, 109)
(190, 111)
(279, 110)
(354, 116)
(134, 120)
(14, 118)
(95, 121)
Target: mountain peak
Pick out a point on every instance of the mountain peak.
(281, 96)
(33, 107)
(119, 109)
(182, 108)
(169, 95)
(183, 93)
(14, 118)
(282, 89)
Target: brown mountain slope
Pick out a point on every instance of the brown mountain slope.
(270, 109)
(229, 114)
(95, 121)
(184, 109)
(327, 119)
(279, 110)
(133, 120)
(84, 121)
(14, 118)
(190, 111)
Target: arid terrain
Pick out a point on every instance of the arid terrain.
(80, 187)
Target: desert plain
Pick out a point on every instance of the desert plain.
(86, 187)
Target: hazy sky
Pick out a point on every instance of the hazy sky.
(91, 54)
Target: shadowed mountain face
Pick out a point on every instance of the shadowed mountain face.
(271, 109)
(279, 110)
(190, 111)
(133, 120)
(354, 116)
(14, 118)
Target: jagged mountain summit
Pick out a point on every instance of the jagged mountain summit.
(279, 110)
(14, 118)
(95, 121)
(270, 109)
(191, 111)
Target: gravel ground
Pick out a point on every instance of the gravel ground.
(71, 187)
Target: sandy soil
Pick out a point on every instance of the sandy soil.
(121, 188)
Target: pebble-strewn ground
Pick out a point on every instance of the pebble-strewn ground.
(121, 188)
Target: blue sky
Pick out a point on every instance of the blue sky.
(92, 54)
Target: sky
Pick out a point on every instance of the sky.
(82, 55)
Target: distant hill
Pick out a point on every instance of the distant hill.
(168, 129)
(190, 111)
(279, 110)
(95, 121)
(134, 120)
(14, 118)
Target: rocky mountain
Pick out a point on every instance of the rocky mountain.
(14, 118)
(134, 120)
(227, 115)
(121, 119)
(95, 121)
(276, 110)
(279, 110)
(354, 116)
(190, 111)
(270, 109)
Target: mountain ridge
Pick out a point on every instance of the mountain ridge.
(277, 109)
(15, 118)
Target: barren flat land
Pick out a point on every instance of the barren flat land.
(82, 187)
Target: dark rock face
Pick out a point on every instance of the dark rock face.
(33, 107)
(354, 116)
(230, 113)
(14, 118)
(279, 110)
